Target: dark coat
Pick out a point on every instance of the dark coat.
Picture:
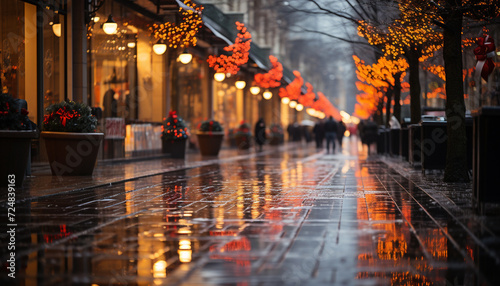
(260, 132)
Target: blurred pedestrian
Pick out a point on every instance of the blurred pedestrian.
(260, 133)
(340, 133)
(319, 133)
(330, 134)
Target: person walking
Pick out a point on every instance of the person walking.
(260, 133)
(319, 133)
(340, 132)
(330, 134)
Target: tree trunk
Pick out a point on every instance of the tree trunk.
(456, 156)
(412, 55)
(379, 116)
(388, 94)
(397, 96)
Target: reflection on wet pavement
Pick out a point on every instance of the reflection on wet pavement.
(296, 217)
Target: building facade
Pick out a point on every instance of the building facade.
(54, 50)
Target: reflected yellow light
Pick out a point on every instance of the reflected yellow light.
(159, 269)
(185, 252)
(185, 255)
(184, 244)
(184, 230)
(347, 133)
(285, 100)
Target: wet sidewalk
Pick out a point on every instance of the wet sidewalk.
(290, 215)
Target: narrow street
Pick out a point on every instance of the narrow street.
(289, 215)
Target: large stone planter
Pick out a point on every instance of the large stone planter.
(72, 154)
(176, 148)
(14, 155)
(210, 142)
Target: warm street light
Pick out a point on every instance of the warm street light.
(185, 57)
(56, 28)
(267, 94)
(160, 47)
(311, 111)
(285, 100)
(254, 90)
(292, 104)
(240, 84)
(110, 26)
(131, 45)
(299, 107)
(219, 76)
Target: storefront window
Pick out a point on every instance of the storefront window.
(192, 100)
(18, 34)
(12, 34)
(225, 104)
(53, 59)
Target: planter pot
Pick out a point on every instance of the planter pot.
(176, 148)
(210, 142)
(72, 154)
(243, 142)
(275, 140)
(14, 154)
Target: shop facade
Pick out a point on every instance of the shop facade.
(55, 50)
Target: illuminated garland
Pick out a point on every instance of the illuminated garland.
(184, 34)
(240, 51)
(273, 77)
(293, 89)
(324, 105)
(308, 98)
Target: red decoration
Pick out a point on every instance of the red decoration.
(294, 89)
(64, 115)
(324, 105)
(485, 51)
(273, 77)
(240, 51)
(308, 98)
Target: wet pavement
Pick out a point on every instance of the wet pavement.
(290, 215)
